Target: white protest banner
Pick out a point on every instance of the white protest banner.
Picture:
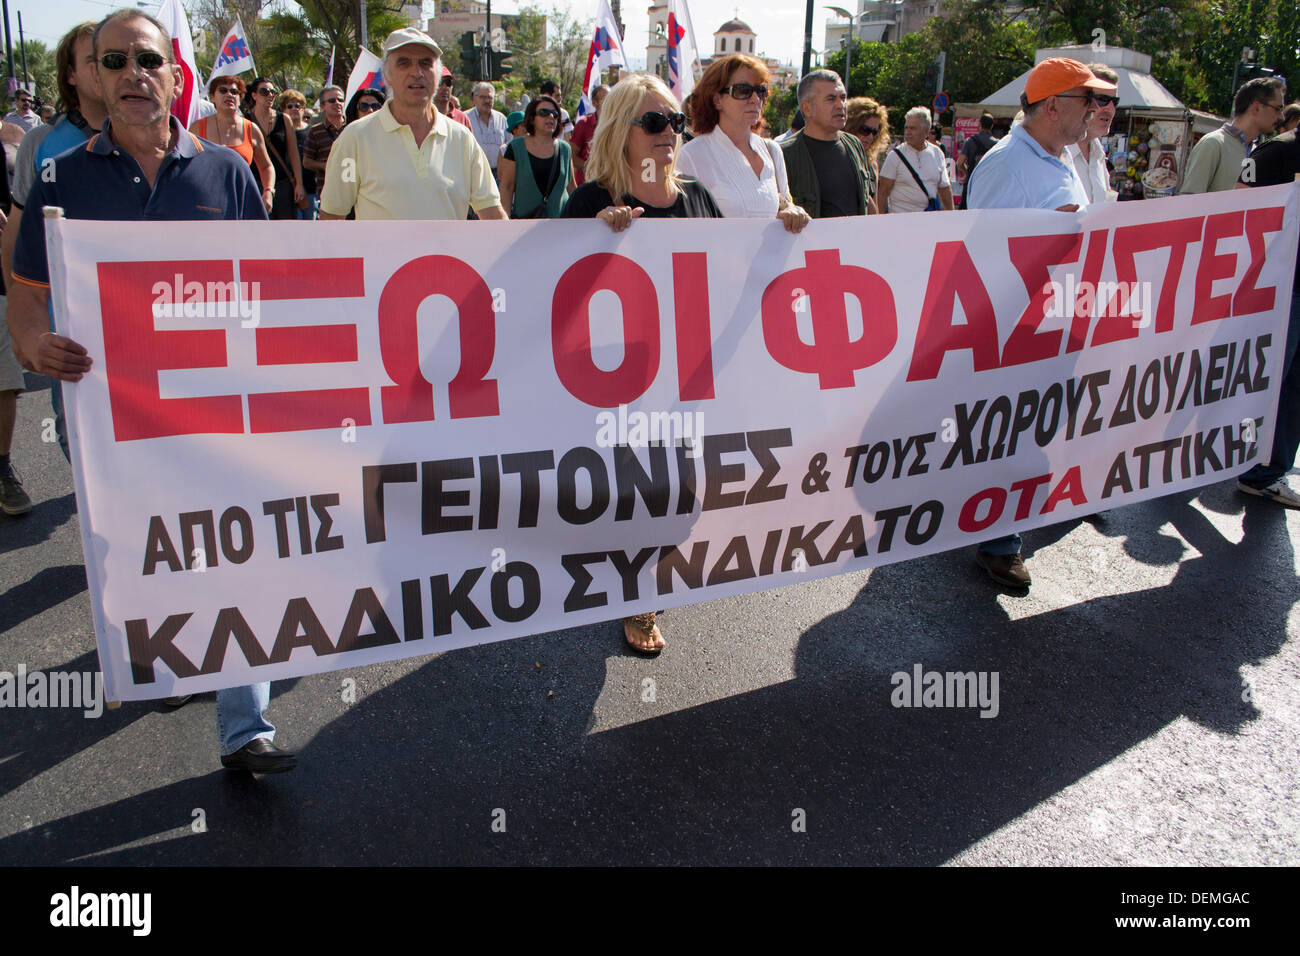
(357, 442)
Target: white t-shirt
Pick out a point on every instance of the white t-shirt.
(714, 160)
(929, 164)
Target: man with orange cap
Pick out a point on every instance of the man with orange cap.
(1029, 169)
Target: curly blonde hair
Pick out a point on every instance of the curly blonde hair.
(861, 107)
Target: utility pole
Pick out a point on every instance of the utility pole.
(807, 39)
(22, 46)
(365, 34)
(9, 49)
(484, 53)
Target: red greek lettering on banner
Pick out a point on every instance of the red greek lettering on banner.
(822, 283)
(135, 352)
(571, 330)
(471, 394)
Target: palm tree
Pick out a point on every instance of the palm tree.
(298, 45)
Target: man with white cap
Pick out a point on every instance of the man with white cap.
(407, 160)
(1029, 169)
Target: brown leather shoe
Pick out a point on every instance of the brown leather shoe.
(1006, 569)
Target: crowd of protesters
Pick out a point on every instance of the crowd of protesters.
(409, 152)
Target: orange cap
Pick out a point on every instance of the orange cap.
(1058, 74)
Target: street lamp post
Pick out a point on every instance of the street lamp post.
(846, 43)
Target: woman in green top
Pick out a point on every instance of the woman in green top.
(537, 168)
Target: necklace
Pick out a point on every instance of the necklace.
(222, 136)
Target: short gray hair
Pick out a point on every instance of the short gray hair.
(326, 89)
(920, 111)
(484, 85)
(816, 76)
(1102, 72)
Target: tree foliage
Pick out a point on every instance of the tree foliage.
(40, 71)
(1195, 46)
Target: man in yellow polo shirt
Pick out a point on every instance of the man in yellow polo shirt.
(406, 160)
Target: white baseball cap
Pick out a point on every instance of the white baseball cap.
(408, 35)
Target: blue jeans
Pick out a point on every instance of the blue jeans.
(1010, 544)
(60, 423)
(1286, 430)
(241, 716)
(312, 209)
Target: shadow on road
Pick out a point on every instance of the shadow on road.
(416, 773)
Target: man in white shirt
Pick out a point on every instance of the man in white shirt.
(487, 125)
(1088, 155)
(22, 114)
(898, 190)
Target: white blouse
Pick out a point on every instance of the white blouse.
(714, 160)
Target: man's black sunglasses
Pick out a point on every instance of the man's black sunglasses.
(743, 91)
(146, 59)
(654, 123)
(1102, 100)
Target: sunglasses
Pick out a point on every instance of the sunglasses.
(293, 106)
(367, 107)
(223, 90)
(743, 91)
(654, 123)
(549, 112)
(266, 91)
(870, 131)
(335, 100)
(146, 60)
(1099, 99)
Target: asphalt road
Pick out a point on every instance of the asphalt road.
(1148, 713)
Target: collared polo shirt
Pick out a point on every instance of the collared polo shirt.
(103, 181)
(376, 169)
(1017, 173)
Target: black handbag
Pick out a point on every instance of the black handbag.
(932, 202)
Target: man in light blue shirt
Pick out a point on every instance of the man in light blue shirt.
(1029, 169)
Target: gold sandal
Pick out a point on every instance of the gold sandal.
(644, 628)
